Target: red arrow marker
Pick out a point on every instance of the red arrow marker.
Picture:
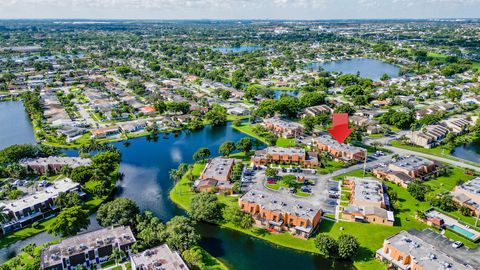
(340, 130)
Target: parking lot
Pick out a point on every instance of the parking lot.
(321, 189)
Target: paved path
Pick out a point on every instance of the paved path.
(461, 164)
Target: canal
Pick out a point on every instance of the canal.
(146, 163)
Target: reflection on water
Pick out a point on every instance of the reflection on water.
(469, 151)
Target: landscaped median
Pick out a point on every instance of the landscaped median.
(370, 236)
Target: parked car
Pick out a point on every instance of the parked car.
(457, 244)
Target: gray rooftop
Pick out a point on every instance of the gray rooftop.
(56, 160)
(81, 243)
(51, 192)
(367, 189)
(412, 163)
(161, 257)
(218, 168)
(327, 140)
(283, 123)
(277, 203)
(472, 186)
(434, 251)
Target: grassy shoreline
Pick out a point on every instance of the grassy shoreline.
(181, 195)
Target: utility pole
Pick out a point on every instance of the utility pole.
(365, 163)
(478, 215)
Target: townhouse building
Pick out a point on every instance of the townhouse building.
(283, 128)
(430, 136)
(36, 206)
(468, 195)
(426, 250)
(53, 163)
(88, 249)
(285, 155)
(369, 201)
(404, 171)
(280, 213)
(216, 176)
(342, 151)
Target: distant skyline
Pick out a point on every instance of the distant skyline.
(239, 9)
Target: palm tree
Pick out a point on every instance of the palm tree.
(174, 176)
(117, 254)
(4, 217)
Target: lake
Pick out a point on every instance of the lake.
(15, 127)
(368, 68)
(469, 151)
(146, 163)
(243, 48)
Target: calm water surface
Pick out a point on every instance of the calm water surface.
(15, 127)
(368, 68)
(243, 48)
(469, 151)
(146, 165)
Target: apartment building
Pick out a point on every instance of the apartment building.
(369, 201)
(53, 163)
(426, 250)
(414, 166)
(36, 206)
(280, 213)
(283, 128)
(342, 151)
(468, 195)
(87, 249)
(285, 155)
(161, 257)
(216, 176)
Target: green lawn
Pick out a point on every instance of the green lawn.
(331, 166)
(247, 129)
(181, 195)
(283, 142)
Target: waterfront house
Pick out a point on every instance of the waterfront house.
(105, 132)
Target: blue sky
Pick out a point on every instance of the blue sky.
(239, 9)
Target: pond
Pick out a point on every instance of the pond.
(278, 93)
(469, 151)
(242, 48)
(368, 68)
(15, 127)
(146, 163)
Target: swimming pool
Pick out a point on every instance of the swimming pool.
(462, 231)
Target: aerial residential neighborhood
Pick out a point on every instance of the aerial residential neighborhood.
(239, 135)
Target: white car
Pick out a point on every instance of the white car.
(457, 244)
